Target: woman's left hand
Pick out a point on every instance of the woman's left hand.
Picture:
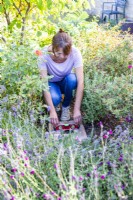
(77, 116)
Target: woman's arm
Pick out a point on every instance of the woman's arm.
(79, 94)
(53, 115)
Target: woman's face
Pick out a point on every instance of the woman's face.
(59, 54)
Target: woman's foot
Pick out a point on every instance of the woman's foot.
(65, 115)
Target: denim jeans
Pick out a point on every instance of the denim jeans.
(66, 87)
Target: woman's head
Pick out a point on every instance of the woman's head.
(62, 41)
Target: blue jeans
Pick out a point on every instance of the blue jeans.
(66, 87)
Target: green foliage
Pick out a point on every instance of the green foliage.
(104, 95)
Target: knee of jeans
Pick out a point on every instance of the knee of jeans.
(71, 80)
(56, 99)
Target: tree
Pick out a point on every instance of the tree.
(16, 13)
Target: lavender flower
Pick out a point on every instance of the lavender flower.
(110, 132)
(102, 177)
(120, 158)
(12, 198)
(74, 178)
(48, 108)
(55, 166)
(81, 178)
(22, 174)
(5, 146)
(105, 136)
(129, 119)
(123, 187)
(88, 175)
(101, 124)
(46, 196)
(100, 164)
(53, 193)
(83, 189)
(64, 187)
(109, 163)
(59, 198)
(32, 172)
(14, 170)
(109, 173)
(12, 177)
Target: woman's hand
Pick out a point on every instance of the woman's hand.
(77, 116)
(54, 118)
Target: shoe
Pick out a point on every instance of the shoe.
(65, 115)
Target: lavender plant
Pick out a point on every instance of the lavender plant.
(35, 165)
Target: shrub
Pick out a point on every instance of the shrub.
(102, 96)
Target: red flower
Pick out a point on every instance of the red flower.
(38, 53)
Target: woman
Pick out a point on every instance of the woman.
(58, 60)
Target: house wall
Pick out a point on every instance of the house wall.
(97, 10)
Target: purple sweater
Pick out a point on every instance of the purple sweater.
(59, 70)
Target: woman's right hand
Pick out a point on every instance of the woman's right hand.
(54, 118)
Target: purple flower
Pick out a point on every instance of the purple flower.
(48, 108)
(32, 172)
(101, 124)
(83, 189)
(130, 66)
(22, 174)
(25, 152)
(110, 132)
(123, 187)
(55, 166)
(64, 187)
(37, 195)
(53, 193)
(12, 198)
(4, 132)
(102, 177)
(120, 158)
(100, 164)
(108, 163)
(109, 172)
(74, 178)
(12, 177)
(128, 119)
(5, 146)
(105, 136)
(81, 178)
(14, 170)
(59, 198)
(46, 196)
(88, 175)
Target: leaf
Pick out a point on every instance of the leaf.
(18, 25)
(40, 4)
(7, 3)
(39, 33)
(1, 8)
(49, 4)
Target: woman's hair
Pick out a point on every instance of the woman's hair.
(62, 40)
